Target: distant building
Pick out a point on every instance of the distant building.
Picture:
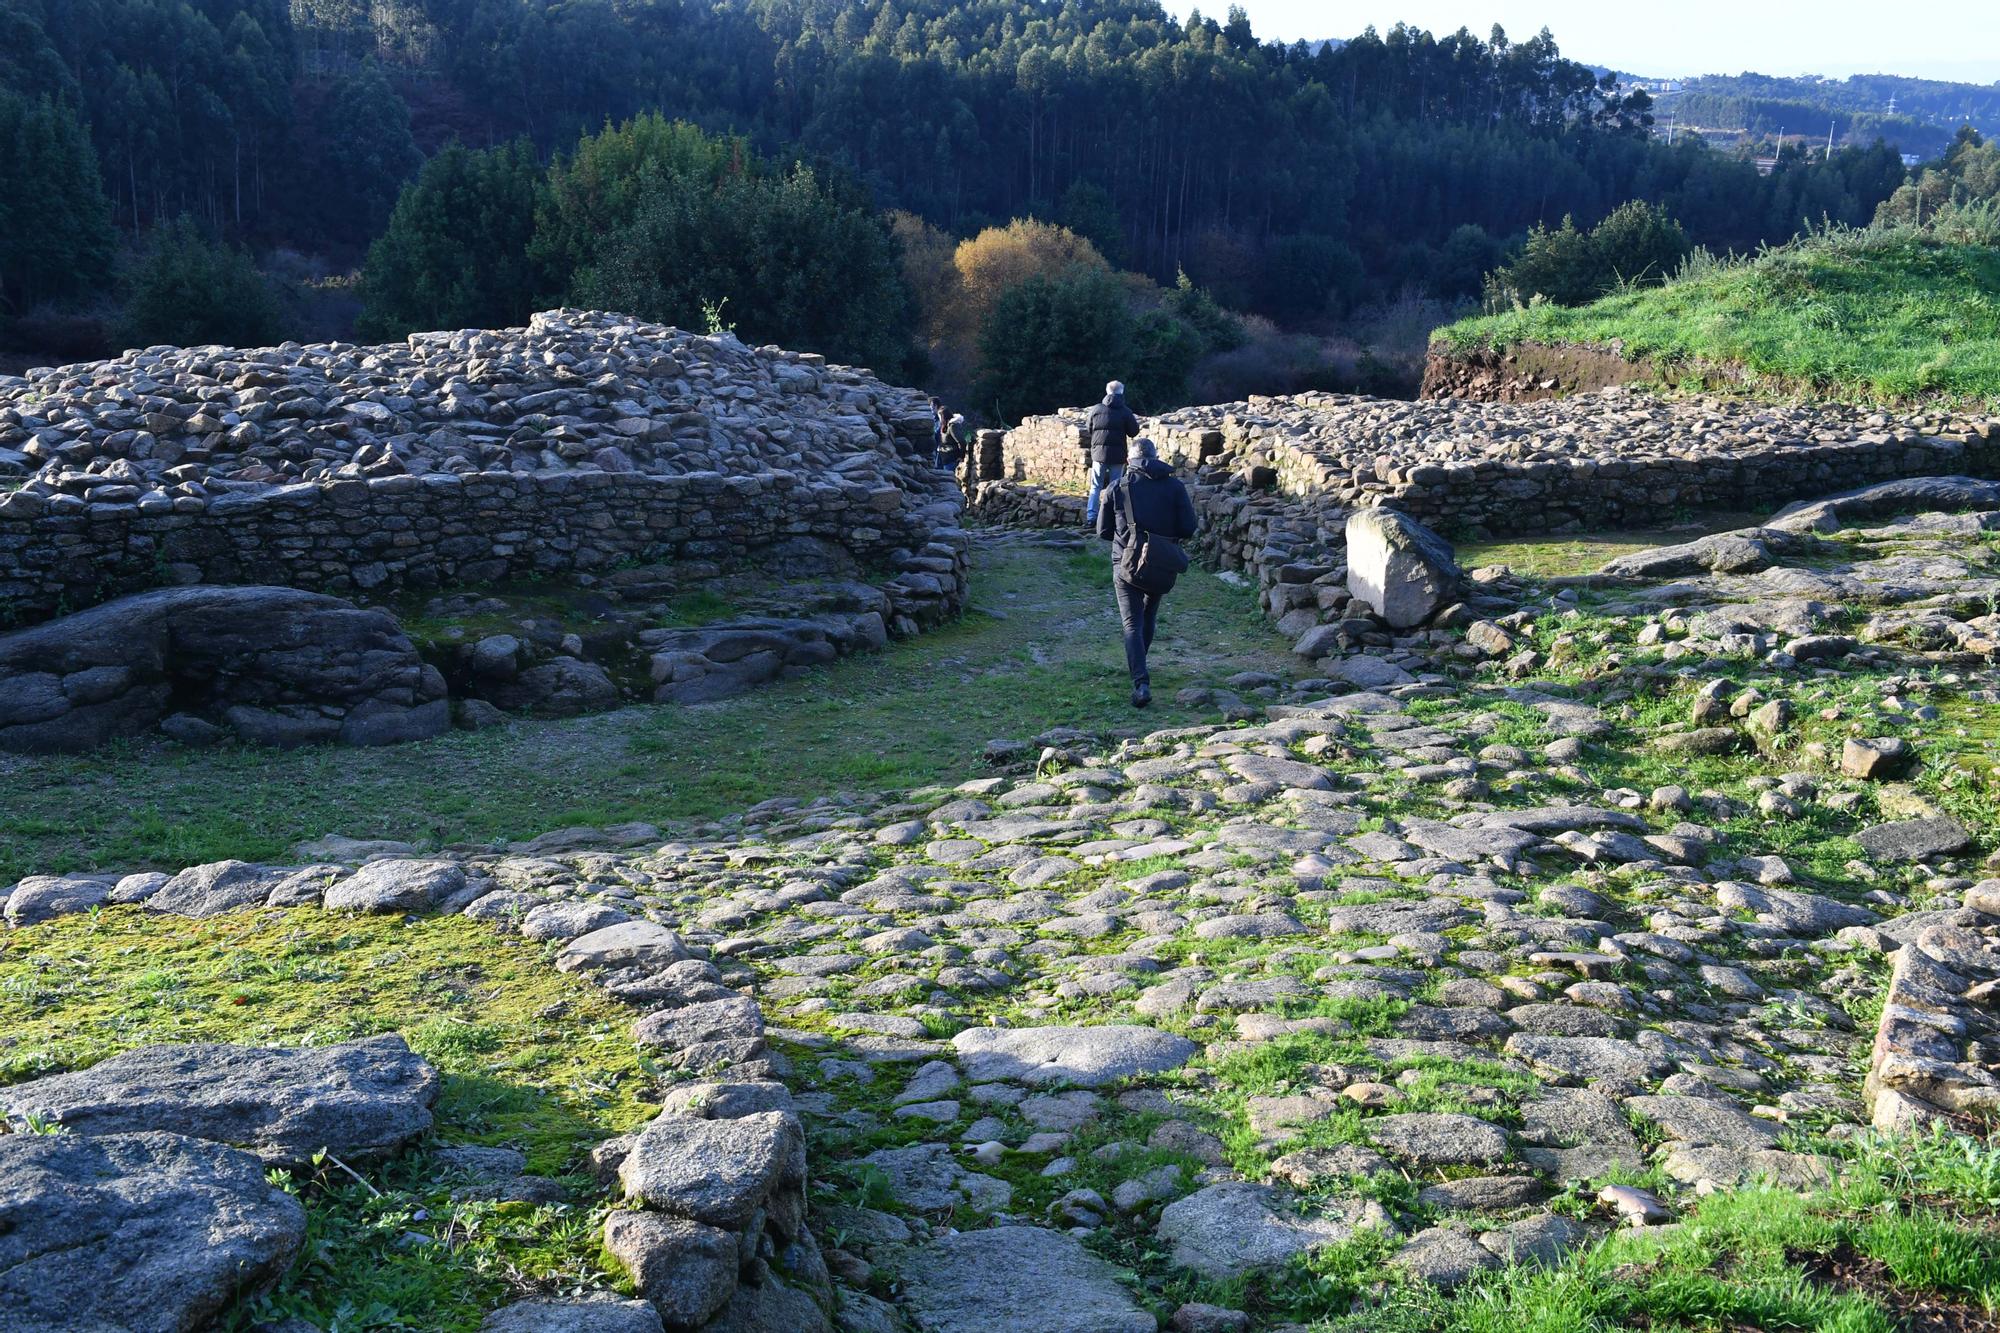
(1911, 159)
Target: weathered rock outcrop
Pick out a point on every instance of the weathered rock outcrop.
(1902, 496)
(271, 665)
(716, 661)
(1898, 561)
(360, 1100)
(152, 1233)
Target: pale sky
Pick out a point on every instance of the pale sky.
(1934, 39)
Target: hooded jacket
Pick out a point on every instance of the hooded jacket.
(1160, 504)
(1110, 425)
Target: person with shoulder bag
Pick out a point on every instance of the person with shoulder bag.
(1105, 432)
(1145, 516)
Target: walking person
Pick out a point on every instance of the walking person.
(937, 429)
(1110, 425)
(1146, 515)
(951, 447)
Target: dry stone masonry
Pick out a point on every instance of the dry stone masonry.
(1605, 460)
(623, 458)
(578, 442)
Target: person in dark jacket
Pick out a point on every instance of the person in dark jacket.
(1111, 423)
(1160, 505)
(951, 445)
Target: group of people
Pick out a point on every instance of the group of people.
(1134, 502)
(1137, 504)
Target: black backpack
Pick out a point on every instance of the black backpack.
(1150, 562)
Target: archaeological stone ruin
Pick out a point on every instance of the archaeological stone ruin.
(584, 447)
(1517, 888)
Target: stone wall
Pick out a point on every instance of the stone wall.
(381, 533)
(1610, 461)
(577, 443)
(1046, 451)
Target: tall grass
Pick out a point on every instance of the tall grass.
(1894, 314)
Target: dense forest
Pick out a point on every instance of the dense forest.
(1287, 181)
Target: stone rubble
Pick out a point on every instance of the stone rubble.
(575, 391)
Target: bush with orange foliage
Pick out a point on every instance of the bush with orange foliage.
(1003, 257)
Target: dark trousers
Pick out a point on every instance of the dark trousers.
(1139, 611)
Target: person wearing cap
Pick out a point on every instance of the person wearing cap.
(1110, 425)
(1151, 497)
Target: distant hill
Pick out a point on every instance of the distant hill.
(1917, 115)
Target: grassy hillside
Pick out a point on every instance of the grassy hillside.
(1891, 315)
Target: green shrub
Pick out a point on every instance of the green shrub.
(188, 289)
(1637, 246)
(1053, 342)
(663, 222)
(455, 254)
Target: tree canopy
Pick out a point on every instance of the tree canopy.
(1170, 145)
(653, 218)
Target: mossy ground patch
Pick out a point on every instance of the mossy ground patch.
(533, 1060)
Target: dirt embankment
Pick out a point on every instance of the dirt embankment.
(1527, 371)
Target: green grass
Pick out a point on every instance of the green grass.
(1039, 650)
(1586, 553)
(532, 1059)
(1749, 1259)
(1889, 316)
